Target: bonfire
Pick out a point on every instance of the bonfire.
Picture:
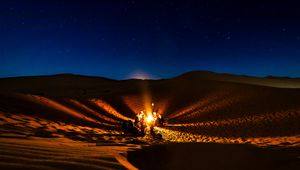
(144, 123)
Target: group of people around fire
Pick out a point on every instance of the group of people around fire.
(144, 121)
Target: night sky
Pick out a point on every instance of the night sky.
(161, 39)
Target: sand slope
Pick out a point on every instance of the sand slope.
(214, 156)
(199, 107)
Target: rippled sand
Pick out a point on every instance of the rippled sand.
(73, 122)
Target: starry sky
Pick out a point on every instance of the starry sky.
(156, 39)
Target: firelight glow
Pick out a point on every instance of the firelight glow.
(149, 118)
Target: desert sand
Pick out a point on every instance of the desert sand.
(214, 121)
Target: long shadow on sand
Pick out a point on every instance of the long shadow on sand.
(214, 156)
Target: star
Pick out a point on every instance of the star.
(283, 29)
(228, 36)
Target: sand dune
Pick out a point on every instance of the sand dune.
(271, 81)
(62, 113)
(213, 156)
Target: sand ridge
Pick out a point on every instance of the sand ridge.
(79, 112)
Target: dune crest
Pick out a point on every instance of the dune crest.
(65, 112)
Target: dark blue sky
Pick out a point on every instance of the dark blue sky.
(119, 39)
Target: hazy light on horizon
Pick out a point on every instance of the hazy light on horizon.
(142, 75)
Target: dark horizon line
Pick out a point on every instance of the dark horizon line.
(184, 73)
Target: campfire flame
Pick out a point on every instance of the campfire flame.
(149, 118)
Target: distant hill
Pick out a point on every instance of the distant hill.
(204, 102)
(271, 81)
(67, 80)
(89, 86)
